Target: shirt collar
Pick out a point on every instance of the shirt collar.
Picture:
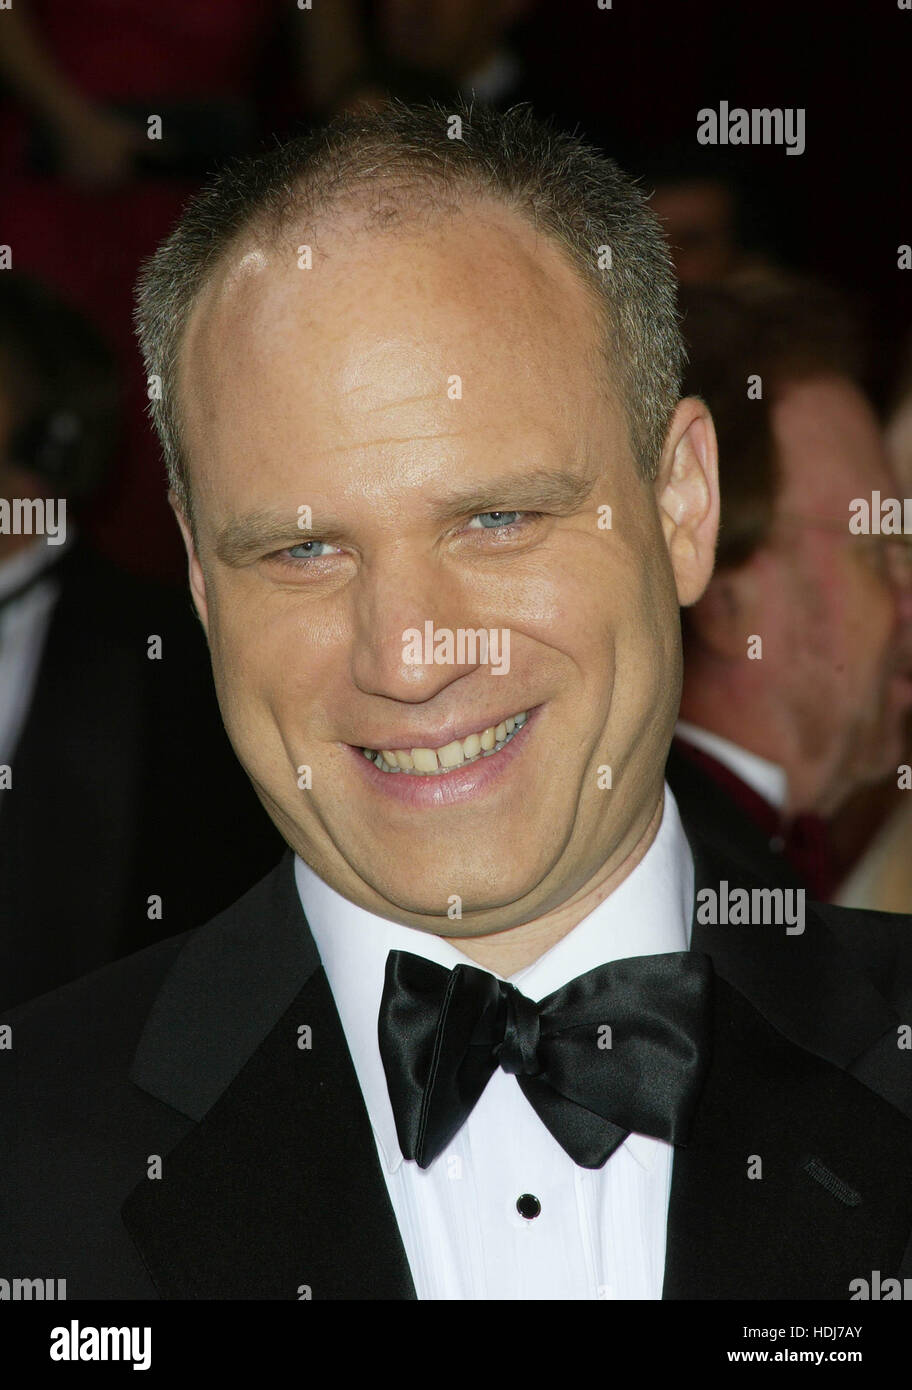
(27, 564)
(649, 913)
(767, 779)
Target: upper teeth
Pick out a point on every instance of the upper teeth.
(461, 750)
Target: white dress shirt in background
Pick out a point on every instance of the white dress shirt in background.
(24, 625)
(765, 778)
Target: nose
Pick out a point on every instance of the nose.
(399, 598)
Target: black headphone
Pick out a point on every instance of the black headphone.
(48, 443)
(60, 388)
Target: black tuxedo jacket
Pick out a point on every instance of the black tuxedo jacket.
(165, 1136)
(122, 764)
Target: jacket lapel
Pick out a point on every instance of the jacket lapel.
(277, 1191)
(797, 1178)
(781, 973)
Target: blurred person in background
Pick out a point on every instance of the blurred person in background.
(798, 658)
(111, 111)
(899, 424)
(715, 225)
(420, 49)
(110, 741)
(698, 215)
(882, 877)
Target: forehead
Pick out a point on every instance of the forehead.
(830, 446)
(365, 347)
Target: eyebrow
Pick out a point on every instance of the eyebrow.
(542, 489)
(557, 491)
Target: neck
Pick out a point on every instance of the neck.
(511, 950)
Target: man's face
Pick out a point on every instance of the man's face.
(698, 219)
(840, 640)
(335, 389)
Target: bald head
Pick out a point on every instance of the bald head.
(354, 347)
(407, 168)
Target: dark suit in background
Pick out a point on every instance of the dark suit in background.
(124, 785)
(736, 822)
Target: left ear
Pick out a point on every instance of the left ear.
(687, 491)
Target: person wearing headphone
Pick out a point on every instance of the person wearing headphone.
(106, 700)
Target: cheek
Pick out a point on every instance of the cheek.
(269, 641)
(638, 618)
(263, 667)
(842, 637)
(240, 648)
(874, 611)
(600, 604)
(803, 618)
(862, 620)
(566, 599)
(784, 607)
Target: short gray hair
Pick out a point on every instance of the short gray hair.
(582, 200)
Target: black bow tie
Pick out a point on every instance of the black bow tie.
(622, 1048)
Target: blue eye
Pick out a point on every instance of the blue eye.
(310, 554)
(501, 519)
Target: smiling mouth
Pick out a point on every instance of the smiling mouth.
(424, 762)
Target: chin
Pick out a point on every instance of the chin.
(488, 872)
(453, 893)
